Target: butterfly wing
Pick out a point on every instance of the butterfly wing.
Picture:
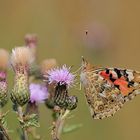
(107, 89)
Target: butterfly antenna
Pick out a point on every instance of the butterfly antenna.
(84, 61)
(79, 86)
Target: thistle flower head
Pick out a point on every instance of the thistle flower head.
(4, 59)
(61, 76)
(21, 56)
(48, 64)
(38, 93)
(21, 59)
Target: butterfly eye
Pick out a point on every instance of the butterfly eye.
(100, 107)
(112, 100)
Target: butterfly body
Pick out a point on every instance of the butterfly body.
(107, 89)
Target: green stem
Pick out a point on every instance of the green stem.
(20, 113)
(58, 125)
(32, 108)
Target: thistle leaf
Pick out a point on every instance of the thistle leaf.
(29, 121)
(3, 120)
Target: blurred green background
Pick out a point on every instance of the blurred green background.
(107, 33)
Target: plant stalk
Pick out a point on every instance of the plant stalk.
(20, 113)
(58, 125)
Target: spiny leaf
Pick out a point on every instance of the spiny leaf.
(29, 120)
(3, 120)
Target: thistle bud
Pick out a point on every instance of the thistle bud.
(21, 59)
(45, 66)
(72, 102)
(61, 94)
(31, 42)
(4, 58)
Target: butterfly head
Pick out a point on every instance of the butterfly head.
(86, 66)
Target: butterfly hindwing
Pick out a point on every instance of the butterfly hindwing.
(107, 89)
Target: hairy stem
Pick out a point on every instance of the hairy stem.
(58, 125)
(20, 113)
(32, 108)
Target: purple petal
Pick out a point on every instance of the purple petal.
(61, 75)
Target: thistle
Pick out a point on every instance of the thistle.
(45, 66)
(38, 94)
(21, 59)
(31, 42)
(4, 58)
(62, 79)
(72, 102)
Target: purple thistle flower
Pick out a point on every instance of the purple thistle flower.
(61, 75)
(2, 74)
(38, 93)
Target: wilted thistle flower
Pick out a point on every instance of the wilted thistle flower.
(21, 59)
(48, 64)
(63, 79)
(31, 42)
(4, 58)
(45, 66)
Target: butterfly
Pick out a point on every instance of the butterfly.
(107, 89)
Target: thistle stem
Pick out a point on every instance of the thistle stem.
(32, 108)
(20, 113)
(58, 125)
(3, 132)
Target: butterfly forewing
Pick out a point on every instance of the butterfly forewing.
(107, 89)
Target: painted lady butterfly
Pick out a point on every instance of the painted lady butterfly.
(107, 89)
